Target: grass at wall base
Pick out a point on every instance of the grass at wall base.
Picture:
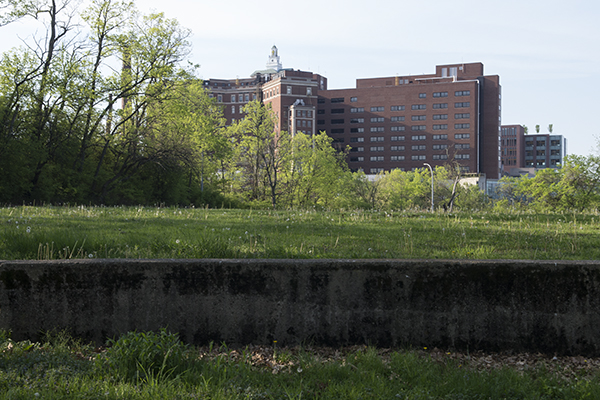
(147, 365)
(45, 233)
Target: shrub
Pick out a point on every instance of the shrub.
(146, 356)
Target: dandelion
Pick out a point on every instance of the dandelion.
(177, 241)
(28, 230)
(299, 369)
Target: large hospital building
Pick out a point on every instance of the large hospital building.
(404, 121)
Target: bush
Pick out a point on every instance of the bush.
(146, 356)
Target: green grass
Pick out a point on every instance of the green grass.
(60, 368)
(140, 232)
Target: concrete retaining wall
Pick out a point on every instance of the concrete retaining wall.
(552, 307)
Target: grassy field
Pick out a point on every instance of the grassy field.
(158, 366)
(140, 232)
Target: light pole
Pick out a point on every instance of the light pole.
(431, 169)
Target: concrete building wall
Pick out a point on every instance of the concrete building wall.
(546, 306)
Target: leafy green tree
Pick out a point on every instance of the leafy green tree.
(318, 172)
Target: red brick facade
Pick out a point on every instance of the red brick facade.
(391, 122)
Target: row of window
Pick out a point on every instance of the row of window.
(436, 106)
(416, 157)
(395, 138)
(243, 98)
(380, 149)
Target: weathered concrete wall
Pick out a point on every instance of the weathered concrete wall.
(552, 307)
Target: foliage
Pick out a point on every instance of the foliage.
(145, 356)
(574, 186)
(64, 369)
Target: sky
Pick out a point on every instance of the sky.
(546, 52)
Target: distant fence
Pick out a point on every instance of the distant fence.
(551, 307)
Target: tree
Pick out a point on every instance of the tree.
(263, 152)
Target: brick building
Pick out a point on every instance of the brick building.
(533, 151)
(391, 122)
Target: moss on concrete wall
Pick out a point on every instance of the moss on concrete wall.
(552, 307)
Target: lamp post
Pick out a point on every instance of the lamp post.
(431, 170)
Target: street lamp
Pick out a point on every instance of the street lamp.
(431, 169)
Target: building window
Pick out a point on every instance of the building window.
(337, 121)
(338, 130)
(377, 148)
(462, 156)
(377, 129)
(309, 91)
(233, 98)
(419, 137)
(357, 109)
(459, 93)
(462, 116)
(377, 119)
(418, 107)
(247, 97)
(357, 139)
(440, 127)
(419, 147)
(440, 116)
(233, 109)
(377, 158)
(377, 139)
(440, 94)
(320, 122)
(397, 138)
(462, 146)
(241, 109)
(321, 111)
(254, 96)
(462, 136)
(440, 137)
(397, 108)
(464, 104)
(397, 119)
(397, 128)
(377, 109)
(440, 156)
(353, 99)
(376, 170)
(440, 106)
(219, 98)
(337, 100)
(462, 126)
(289, 89)
(397, 158)
(357, 149)
(357, 159)
(418, 118)
(241, 98)
(357, 120)
(439, 146)
(397, 148)
(418, 128)
(422, 95)
(418, 158)
(321, 100)
(337, 110)
(357, 130)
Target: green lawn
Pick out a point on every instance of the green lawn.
(158, 366)
(141, 232)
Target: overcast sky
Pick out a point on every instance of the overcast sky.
(546, 52)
